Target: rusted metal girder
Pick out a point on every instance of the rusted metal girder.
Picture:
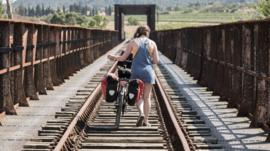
(121, 10)
(231, 59)
(7, 103)
(36, 57)
(29, 82)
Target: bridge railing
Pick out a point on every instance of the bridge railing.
(36, 57)
(233, 60)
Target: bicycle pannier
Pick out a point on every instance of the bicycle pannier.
(134, 91)
(109, 86)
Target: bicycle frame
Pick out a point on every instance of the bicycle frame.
(121, 103)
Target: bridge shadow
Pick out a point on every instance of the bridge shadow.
(232, 131)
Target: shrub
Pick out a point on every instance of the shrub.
(57, 18)
(133, 21)
(264, 7)
(100, 21)
(77, 19)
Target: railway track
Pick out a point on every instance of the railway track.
(196, 131)
(102, 136)
(68, 124)
(87, 123)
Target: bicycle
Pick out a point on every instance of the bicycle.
(114, 90)
(124, 76)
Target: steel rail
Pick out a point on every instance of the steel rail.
(176, 134)
(90, 99)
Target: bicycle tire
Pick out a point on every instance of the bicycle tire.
(120, 100)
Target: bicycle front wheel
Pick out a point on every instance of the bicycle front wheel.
(119, 108)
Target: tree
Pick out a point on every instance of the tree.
(30, 11)
(21, 10)
(91, 23)
(64, 9)
(101, 21)
(1, 9)
(84, 10)
(49, 10)
(38, 10)
(264, 7)
(9, 9)
(71, 18)
(94, 11)
(58, 18)
(110, 10)
(169, 8)
(176, 8)
(42, 10)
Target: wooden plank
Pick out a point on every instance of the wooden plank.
(123, 149)
(123, 135)
(141, 139)
(123, 145)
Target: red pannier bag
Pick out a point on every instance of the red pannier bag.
(109, 86)
(134, 91)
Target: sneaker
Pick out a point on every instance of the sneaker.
(146, 124)
(140, 121)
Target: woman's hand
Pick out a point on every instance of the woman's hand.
(111, 57)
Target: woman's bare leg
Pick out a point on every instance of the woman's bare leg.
(139, 105)
(147, 101)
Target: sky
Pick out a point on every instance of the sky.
(4, 1)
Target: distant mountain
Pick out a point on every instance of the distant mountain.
(104, 3)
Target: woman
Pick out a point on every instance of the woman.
(145, 54)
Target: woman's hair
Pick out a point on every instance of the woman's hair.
(141, 30)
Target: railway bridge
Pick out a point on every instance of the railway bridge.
(211, 92)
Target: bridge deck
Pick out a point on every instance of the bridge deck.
(18, 129)
(232, 131)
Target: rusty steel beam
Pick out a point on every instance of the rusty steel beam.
(235, 55)
(121, 10)
(20, 40)
(39, 68)
(47, 63)
(7, 103)
(33, 58)
(29, 81)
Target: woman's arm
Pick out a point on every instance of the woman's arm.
(124, 56)
(155, 53)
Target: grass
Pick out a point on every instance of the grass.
(187, 17)
(177, 25)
